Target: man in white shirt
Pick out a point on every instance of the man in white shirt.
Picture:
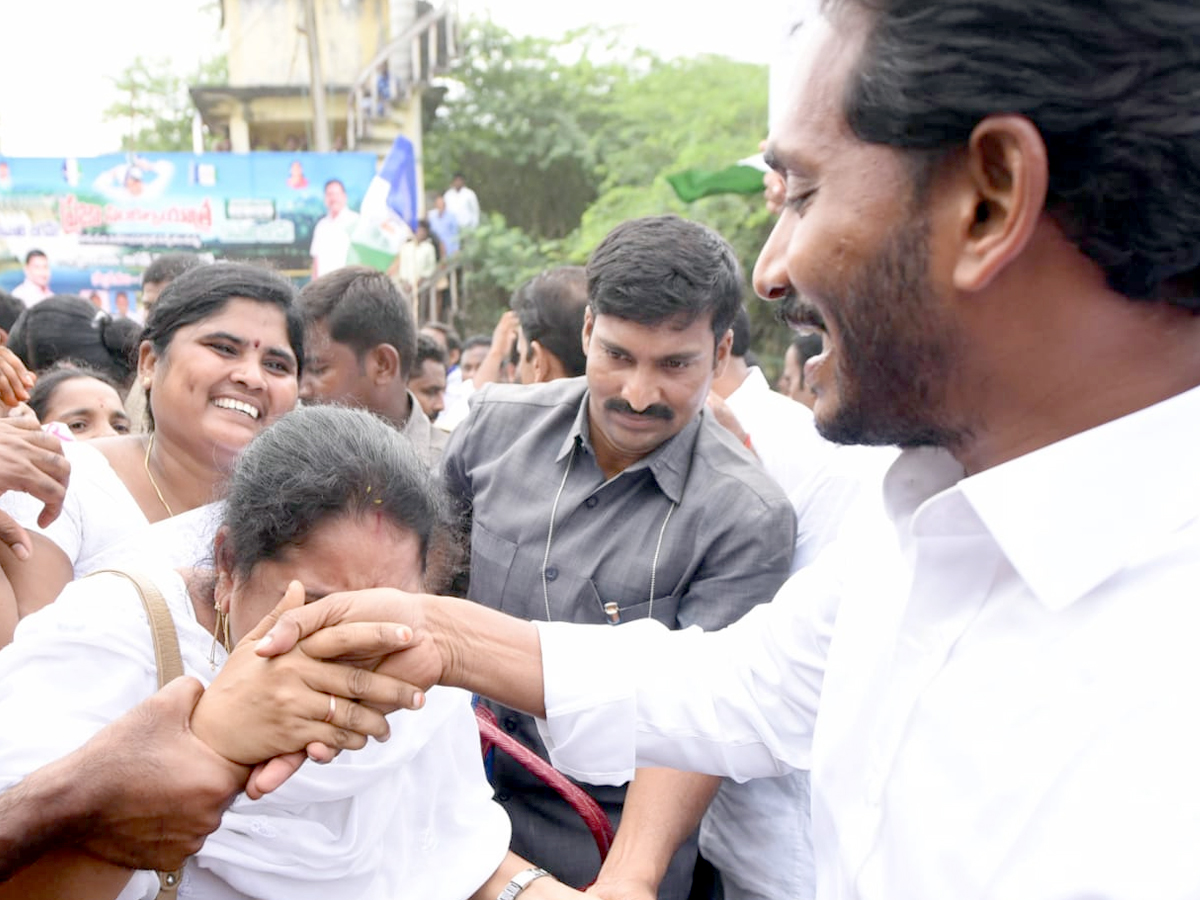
(1003, 657)
(36, 286)
(331, 237)
(462, 203)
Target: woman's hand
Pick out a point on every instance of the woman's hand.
(260, 708)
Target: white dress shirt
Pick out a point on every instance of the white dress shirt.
(1007, 699)
(807, 467)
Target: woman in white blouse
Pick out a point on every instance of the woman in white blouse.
(220, 357)
(333, 499)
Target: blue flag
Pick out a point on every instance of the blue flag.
(399, 170)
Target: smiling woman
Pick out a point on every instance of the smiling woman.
(220, 359)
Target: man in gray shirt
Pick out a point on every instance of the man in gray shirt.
(616, 496)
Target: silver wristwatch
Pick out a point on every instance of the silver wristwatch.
(520, 881)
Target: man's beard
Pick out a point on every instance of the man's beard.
(896, 351)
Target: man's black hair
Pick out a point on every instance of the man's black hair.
(361, 308)
(551, 308)
(1111, 85)
(665, 269)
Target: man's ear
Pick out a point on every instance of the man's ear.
(546, 366)
(383, 363)
(1005, 181)
(721, 357)
(589, 322)
(147, 361)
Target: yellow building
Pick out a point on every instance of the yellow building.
(374, 59)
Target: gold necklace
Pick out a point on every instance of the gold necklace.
(153, 483)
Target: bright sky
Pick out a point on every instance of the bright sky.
(57, 79)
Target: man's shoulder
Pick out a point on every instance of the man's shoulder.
(518, 399)
(728, 471)
(501, 414)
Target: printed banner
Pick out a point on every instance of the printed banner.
(100, 220)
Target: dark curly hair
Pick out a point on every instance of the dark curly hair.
(1112, 85)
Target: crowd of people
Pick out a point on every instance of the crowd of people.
(910, 623)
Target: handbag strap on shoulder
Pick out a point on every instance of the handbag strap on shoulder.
(169, 662)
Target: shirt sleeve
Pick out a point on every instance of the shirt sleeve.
(74, 667)
(739, 702)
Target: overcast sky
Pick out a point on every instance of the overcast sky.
(60, 56)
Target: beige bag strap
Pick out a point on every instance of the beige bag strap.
(170, 666)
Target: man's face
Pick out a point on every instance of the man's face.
(37, 270)
(852, 254)
(335, 198)
(472, 359)
(646, 382)
(429, 387)
(333, 372)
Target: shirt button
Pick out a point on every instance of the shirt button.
(510, 724)
(590, 502)
(504, 796)
(551, 573)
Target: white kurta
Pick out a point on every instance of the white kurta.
(412, 817)
(1007, 699)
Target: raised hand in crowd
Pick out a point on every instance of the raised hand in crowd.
(15, 379)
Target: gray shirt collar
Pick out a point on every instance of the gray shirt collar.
(669, 462)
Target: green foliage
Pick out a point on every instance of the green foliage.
(562, 140)
(154, 104)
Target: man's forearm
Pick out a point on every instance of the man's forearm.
(662, 807)
(45, 811)
(488, 653)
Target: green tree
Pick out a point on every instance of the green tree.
(564, 139)
(524, 119)
(154, 104)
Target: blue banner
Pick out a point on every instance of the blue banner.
(100, 220)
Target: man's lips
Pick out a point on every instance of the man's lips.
(801, 315)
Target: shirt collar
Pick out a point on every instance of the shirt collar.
(1069, 516)
(669, 463)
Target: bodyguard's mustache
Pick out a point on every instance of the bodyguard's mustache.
(653, 411)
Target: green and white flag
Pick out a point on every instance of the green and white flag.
(746, 177)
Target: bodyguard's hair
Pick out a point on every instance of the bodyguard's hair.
(10, 310)
(665, 269)
(741, 332)
(204, 291)
(476, 340)
(1112, 87)
(168, 266)
(319, 463)
(41, 395)
(428, 348)
(361, 308)
(551, 308)
(68, 327)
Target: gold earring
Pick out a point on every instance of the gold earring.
(221, 633)
(145, 384)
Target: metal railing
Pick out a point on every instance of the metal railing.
(433, 42)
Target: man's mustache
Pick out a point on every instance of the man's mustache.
(653, 411)
(797, 312)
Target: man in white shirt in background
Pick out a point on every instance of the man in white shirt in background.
(36, 286)
(462, 203)
(1007, 696)
(331, 237)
